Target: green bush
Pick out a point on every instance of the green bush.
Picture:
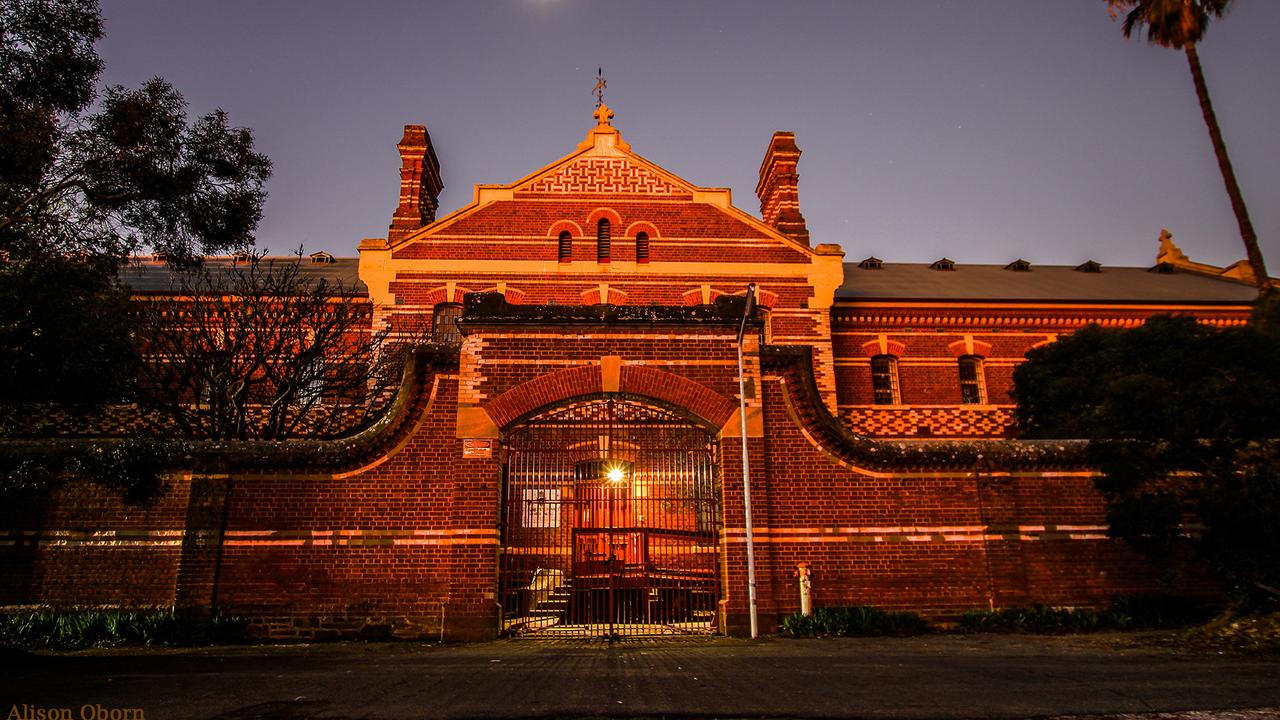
(1142, 612)
(76, 629)
(1036, 619)
(860, 621)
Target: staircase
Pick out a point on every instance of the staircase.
(553, 607)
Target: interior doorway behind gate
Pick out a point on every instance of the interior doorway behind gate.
(610, 523)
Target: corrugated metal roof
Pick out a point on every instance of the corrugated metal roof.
(1042, 283)
(150, 276)
(893, 281)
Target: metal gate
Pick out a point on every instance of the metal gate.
(610, 523)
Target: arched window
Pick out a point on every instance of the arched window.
(973, 389)
(642, 247)
(602, 240)
(566, 247)
(884, 380)
(444, 323)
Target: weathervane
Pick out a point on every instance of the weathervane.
(601, 84)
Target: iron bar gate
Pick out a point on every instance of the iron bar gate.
(610, 523)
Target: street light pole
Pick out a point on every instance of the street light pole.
(748, 306)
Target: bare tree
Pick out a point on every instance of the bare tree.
(262, 349)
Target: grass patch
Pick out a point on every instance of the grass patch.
(77, 629)
(860, 621)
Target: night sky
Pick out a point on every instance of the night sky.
(983, 131)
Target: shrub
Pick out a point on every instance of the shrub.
(1037, 619)
(1141, 612)
(859, 621)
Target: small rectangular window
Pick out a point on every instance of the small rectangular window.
(444, 327)
(603, 240)
(884, 379)
(972, 387)
(566, 247)
(540, 508)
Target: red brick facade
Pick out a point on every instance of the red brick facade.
(398, 530)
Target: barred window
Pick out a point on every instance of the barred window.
(642, 247)
(602, 240)
(444, 323)
(973, 390)
(311, 389)
(566, 246)
(541, 508)
(884, 379)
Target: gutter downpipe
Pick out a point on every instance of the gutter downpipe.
(746, 467)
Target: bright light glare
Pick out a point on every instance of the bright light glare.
(615, 474)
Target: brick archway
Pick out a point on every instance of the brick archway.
(703, 404)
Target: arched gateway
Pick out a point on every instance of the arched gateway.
(611, 522)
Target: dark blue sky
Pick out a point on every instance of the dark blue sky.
(979, 130)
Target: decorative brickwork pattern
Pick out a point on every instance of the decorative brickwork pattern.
(604, 176)
(947, 422)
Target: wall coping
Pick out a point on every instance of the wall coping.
(321, 455)
(486, 309)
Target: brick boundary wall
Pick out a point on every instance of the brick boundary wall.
(394, 532)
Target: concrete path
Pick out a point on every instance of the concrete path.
(929, 677)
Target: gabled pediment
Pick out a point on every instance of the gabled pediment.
(602, 174)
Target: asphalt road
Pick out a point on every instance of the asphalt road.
(928, 677)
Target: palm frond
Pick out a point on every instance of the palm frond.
(1169, 23)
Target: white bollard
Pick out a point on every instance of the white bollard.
(806, 588)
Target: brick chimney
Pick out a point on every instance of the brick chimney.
(779, 188)
(420, 183)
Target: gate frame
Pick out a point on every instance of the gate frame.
(713, 431)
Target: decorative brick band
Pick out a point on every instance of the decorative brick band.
(957, 533)
(357, 538)
(883, 421)
(92, 538)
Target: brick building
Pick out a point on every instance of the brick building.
(569, 461)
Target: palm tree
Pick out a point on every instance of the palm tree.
(1180, 24)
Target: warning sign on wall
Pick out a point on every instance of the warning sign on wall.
(474, 448)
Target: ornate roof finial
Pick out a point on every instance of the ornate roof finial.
(601, 84)
(603, 135)
(603, 115)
